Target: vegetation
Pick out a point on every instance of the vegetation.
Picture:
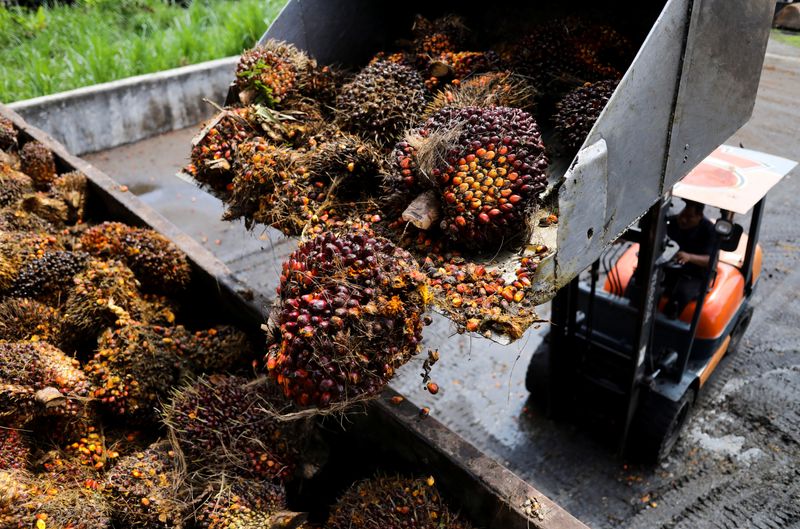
(789, 37)
(59, 47)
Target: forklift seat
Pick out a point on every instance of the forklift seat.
(721, 303)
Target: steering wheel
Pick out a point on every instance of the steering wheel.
(667, 257)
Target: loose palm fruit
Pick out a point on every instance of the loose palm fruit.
(381, 101)
(577, 112)
(396, 502)
(38, 163)
(14, 448)
(350, 314)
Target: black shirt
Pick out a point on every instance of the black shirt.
(698, 240)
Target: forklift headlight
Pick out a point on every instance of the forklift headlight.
(723, 227)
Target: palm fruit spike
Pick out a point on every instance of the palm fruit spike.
(577, 112)
(397, 502)
(36, 378)
(381, 101)
(350, 314)
(487, 166)
(218, 349)
(224, 420)
(261, 171)
(14, 449)
(102, 295)
(272, 72)
(213, 149)
(8, 135)
(19, 248)
(71, 189)
(13, 185)
(135, 366)
(24, 319)
(49, 277)
(494, 89)
(157, 263)
(234, 502)
(145, 489)
(39, 164)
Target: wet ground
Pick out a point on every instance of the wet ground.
(737, 464)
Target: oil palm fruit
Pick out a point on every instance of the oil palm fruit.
(37, 162)
(577, 112)
(8, 135)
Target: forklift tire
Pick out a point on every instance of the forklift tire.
(538, 374)
(738, 332)
(658, 425)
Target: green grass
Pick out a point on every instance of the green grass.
(63, 47)
(788, 37)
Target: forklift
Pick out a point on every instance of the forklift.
(611, 350)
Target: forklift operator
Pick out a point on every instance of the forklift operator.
(694, 234)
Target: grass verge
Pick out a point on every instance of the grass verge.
(788, 37)
(61, 47)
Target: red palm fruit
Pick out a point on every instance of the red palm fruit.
(578, 111)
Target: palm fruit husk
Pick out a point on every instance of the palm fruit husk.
(8, 135)
(381, 101)
(24, 319)
(218, 349)
(135, 366)
(349, 314)
(577, 112)
(233, 502)
(49, 277)
(18, 248)
(494, 89)
(102, 295)
(71, 189)
(14, 449)
(155, 260)
(485, 167)
(47, 500)
(146, 489)
(37, 161)
(231, 422)
(13, 185)
(274, 72)
(37, 378)
(396, 502)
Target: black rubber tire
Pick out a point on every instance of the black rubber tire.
(537, 377)
(738, 332)
(658, 424)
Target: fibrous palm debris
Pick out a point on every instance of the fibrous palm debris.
(157, 263)
(229, 421)
(486, 167)
(577, 112)
(38, 163)
(350, 314)
(396, 502)
(381, 101)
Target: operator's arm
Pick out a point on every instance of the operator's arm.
(692, 258)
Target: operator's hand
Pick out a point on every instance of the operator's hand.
(682, 257)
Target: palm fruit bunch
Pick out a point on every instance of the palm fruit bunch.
(38, 379)
(71, 189)
(157, 263)
(453, 66)
(19, 248)
(8, 135)
(37, 162)
(233, 502)
(14, 218)
(145, 489)
(14, 449)
(487, 167)
(103, 294)
(273, 73)
(381, 101)
(135, 366)
(493, 89)
(217, 349)
(228, 420)
(577, 112)
(213, 150)
(13, 185)
(24, 319)
(44, 206)
(350, 314)
(266, 185)
(345, 161)
(49, 277)
(396, 502)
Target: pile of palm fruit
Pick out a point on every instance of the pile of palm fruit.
(115, 411)
(435, 145)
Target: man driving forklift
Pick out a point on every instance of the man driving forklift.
(694, 235)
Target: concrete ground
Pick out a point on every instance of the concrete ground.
(737, 464)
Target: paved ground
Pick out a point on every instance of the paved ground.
(737, 465)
